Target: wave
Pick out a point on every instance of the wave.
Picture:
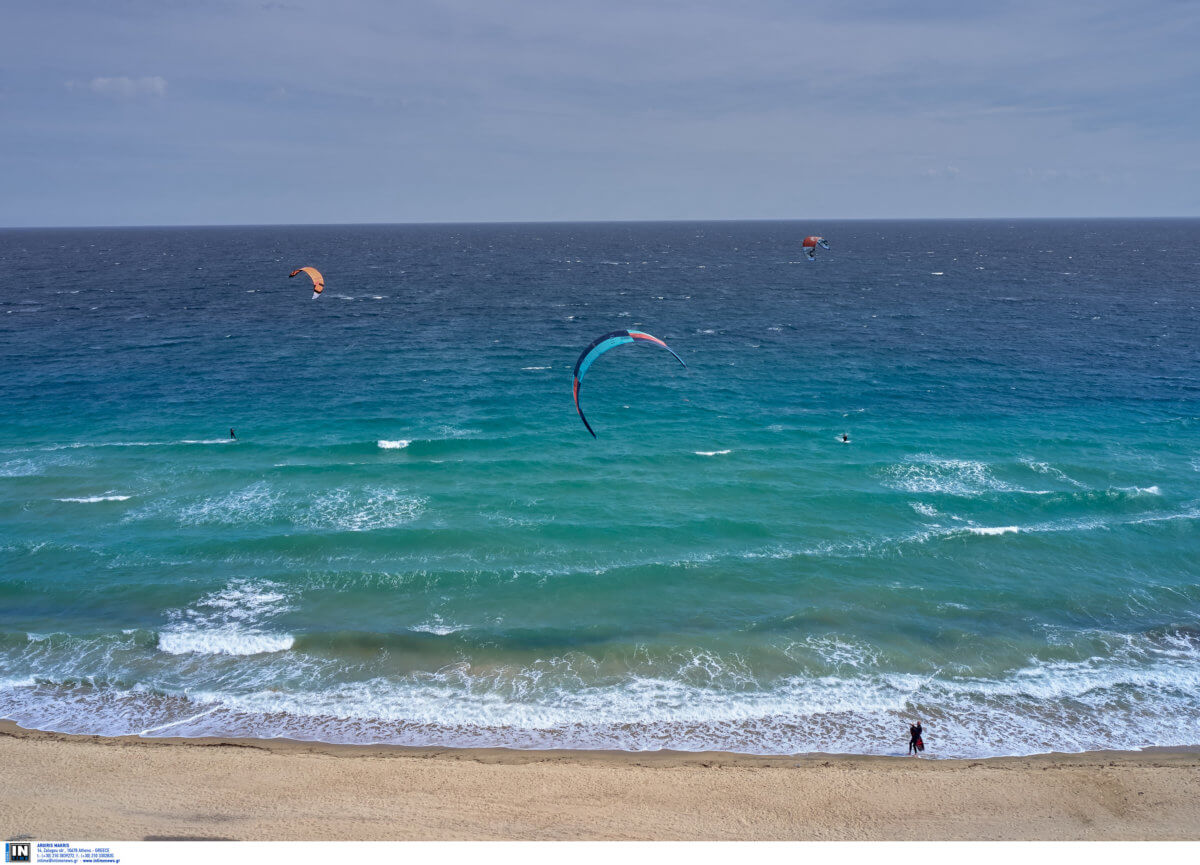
(76, 445)
(252, 504)
(20, 468)
(397, 444)
(881, 545)
(134, 444)
(955, 477)
(228, 642)
(1143, 694)
(92, 499)
(711, 453)
(347, 510)
(436, 625)
(1189, 514)
(1141, 491)
(229, 622)
(1047, 469)
(925, 474)
(24, 467)
(339, 509)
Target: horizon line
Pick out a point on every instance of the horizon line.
(473, 222)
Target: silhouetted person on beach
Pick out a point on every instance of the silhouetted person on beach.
(231, 435)
(915, 745)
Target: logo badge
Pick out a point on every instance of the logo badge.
(17, 851)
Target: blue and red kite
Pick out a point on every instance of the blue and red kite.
(603, 344)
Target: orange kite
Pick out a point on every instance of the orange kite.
(315, 276)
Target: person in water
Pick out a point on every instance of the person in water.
(231, 435)
(915, 745)
(845, 438)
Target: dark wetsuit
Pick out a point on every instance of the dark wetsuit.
(914, 741)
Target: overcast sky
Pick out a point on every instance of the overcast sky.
(146, 112)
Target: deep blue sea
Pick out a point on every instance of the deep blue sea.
(413, 538)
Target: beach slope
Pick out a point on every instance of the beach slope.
(81, 787)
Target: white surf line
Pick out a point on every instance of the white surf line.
(177, 723)
(87, 500)
(925, 682)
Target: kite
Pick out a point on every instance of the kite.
(810, 246)
(315, 276)
(603, 344)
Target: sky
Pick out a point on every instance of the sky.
(188, 112)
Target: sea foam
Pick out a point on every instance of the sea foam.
(92, 499)
(229, 621)
(955, 477)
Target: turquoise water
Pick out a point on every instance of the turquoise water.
(414, 540)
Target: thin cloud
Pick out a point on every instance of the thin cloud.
(123, 87)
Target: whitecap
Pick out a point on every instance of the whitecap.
(437, 626)
(1047, 469)
(20, 468)
(229, 621)
(348, 510)
(74, 445)
(253, 504)
(930, 474)
(91, 499)
(229, 641)
(394, 445)
(1142, 491)
(711, 453)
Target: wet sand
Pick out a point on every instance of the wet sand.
(89, 787)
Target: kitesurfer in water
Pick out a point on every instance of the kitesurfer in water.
(845, 438)
(231, 435)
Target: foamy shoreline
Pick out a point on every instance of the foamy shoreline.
(131, 788)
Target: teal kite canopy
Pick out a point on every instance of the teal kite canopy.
(603, 344)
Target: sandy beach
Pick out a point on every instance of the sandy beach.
(84, 787)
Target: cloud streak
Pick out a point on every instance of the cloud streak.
(123, 87)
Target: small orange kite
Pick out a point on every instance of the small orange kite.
(315, 276)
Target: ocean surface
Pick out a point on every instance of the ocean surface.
(414, 540)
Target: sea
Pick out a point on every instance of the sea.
(414, 540)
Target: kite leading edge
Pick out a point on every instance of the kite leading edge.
(603, 344)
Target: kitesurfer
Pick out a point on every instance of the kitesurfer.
(914, 739)
(231, 435)
(845, 438)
